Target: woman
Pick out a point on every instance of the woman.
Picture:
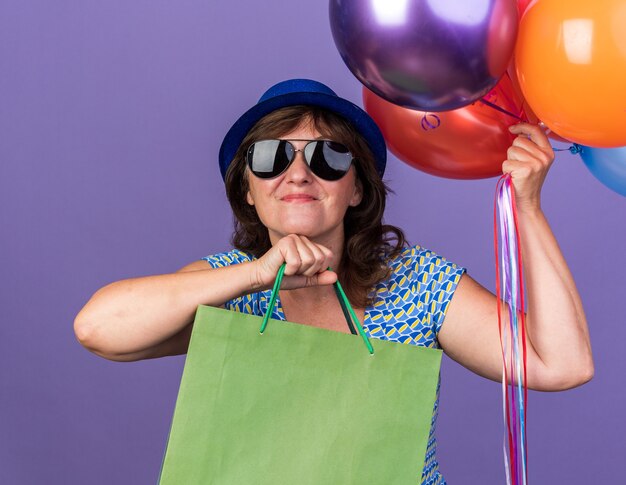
(303, 171)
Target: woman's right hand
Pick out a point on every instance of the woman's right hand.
(307, 264)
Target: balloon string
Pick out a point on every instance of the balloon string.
(508, 268)
(522, 317)
(508, 438)
(509, 101)
(514, 299)
(509, 396)
(573, 149)
(510, 291)
(498, 108)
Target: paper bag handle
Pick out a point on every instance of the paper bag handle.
(343, 300)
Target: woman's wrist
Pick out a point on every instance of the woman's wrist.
(254, 281)
(529, 210)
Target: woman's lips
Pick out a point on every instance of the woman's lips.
(298, 198)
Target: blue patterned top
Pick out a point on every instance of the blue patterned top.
(409, 307)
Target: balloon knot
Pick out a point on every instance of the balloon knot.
(575, 149)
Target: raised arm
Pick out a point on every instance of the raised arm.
(151, 316)
(559, 349)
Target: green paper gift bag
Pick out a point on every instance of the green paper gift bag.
(294, 404)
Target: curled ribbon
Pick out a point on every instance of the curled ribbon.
(427, 124)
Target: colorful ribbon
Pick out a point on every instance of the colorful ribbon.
(510, 292)
(430, 121)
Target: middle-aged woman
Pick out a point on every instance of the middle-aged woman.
(303, 171)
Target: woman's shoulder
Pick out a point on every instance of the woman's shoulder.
(418, 293)
(421, 260)
(226, 258)
(422, 270)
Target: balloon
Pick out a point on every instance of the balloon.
(530, 115)
(522, 6)
(571, 64)
(608, 165)
(534, 119)
(466, 143)
(432, 55)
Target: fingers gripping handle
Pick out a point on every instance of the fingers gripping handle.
(343, 300)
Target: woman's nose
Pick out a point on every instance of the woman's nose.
(299, 170)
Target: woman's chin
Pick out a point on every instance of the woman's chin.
(309, 230)
(300, 230)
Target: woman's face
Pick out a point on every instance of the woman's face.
(298, 202)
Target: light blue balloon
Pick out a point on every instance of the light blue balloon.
(608, 165)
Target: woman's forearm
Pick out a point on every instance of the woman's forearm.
(133, 315)
(556, 323)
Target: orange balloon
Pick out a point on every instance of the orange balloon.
(571, 65)
(465, 143)
(531, 117)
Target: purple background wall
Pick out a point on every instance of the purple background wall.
(111, 115)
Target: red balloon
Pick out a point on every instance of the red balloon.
(522, 6)
(466, 143)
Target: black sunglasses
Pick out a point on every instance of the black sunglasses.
(327, 159)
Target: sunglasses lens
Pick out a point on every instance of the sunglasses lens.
(269, 158)
(328, 160)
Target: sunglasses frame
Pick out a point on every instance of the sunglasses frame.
(295, 152)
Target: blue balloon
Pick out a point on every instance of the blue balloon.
(608, 165)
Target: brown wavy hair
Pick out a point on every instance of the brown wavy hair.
(367, 241)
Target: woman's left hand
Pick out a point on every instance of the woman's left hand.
(528, 161)
(557, 337)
